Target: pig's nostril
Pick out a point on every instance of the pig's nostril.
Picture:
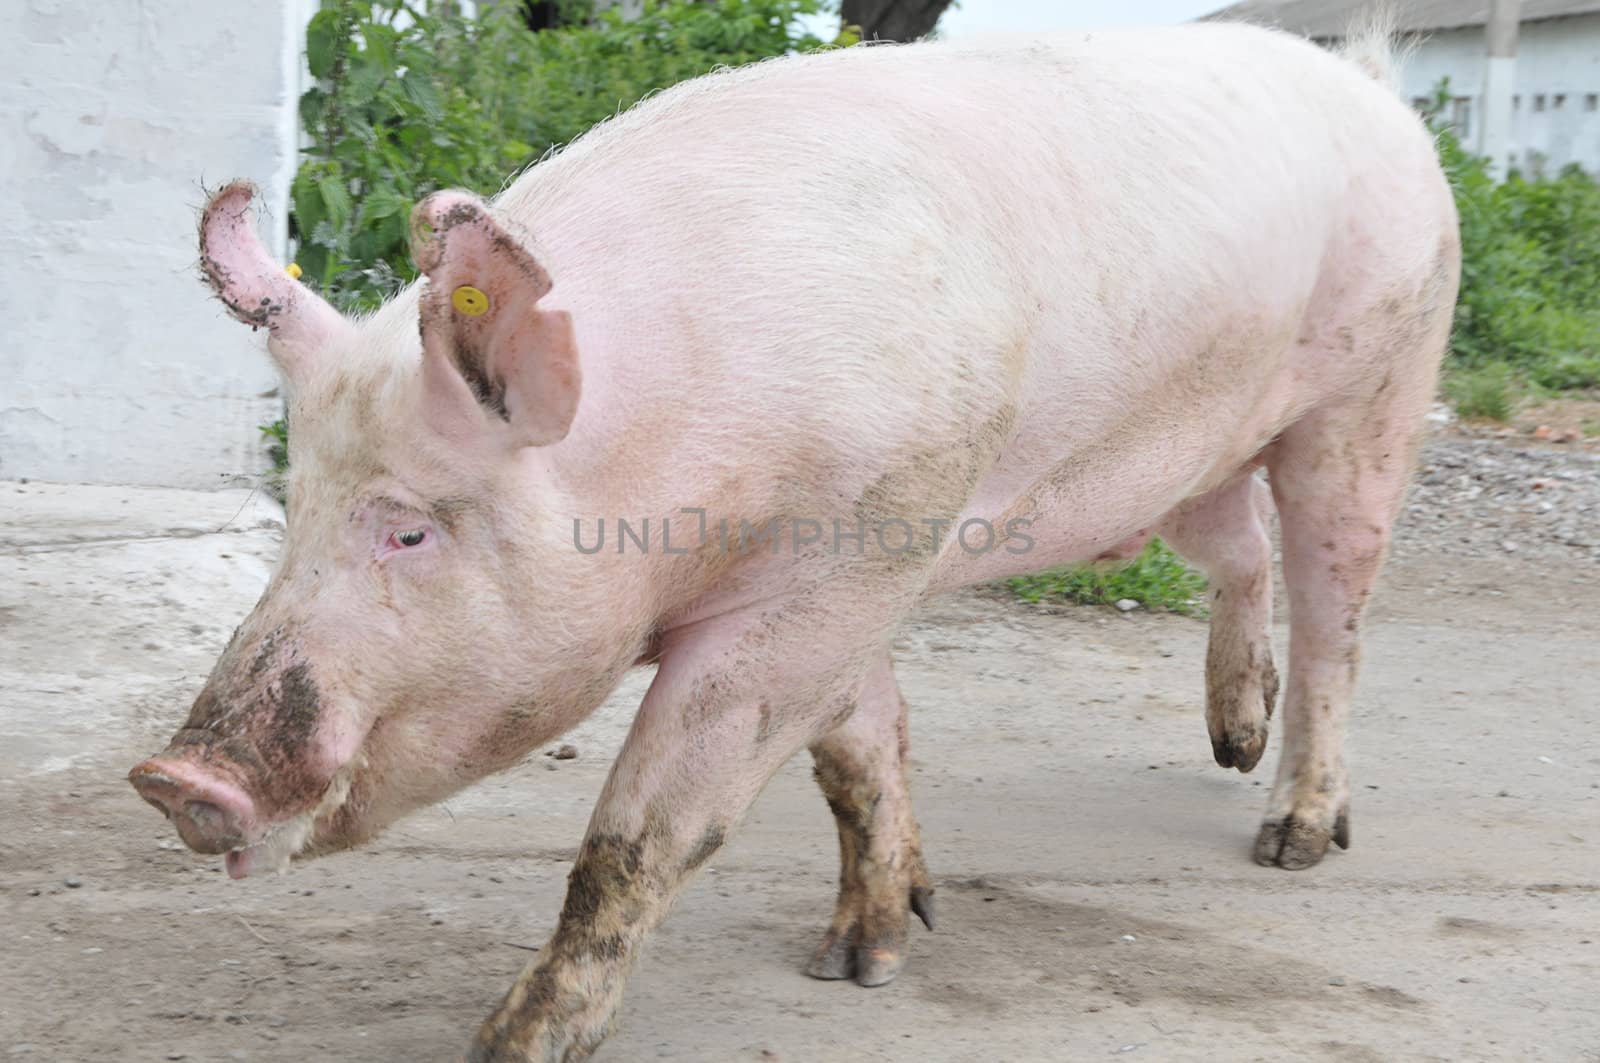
(212, 816)
(206, 816)
(157, 788)
(206, 827)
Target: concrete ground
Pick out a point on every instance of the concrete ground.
(1095, 892)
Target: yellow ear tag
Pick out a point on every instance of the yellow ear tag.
(293, 270)
(470, 301)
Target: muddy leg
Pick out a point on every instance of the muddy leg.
(1225, 534)
(861, 768)
(735, 697)
(1338, 483)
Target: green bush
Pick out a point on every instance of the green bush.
(412, 98)
(1157, 579)
(1530, 274)
(1483, 392)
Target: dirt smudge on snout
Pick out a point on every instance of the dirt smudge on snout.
(256, 719)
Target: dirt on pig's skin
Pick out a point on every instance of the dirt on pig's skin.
(1089, 905)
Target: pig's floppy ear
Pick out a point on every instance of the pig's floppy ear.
(481, 326)
(256, 290)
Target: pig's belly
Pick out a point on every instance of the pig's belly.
(1055, 535)
(1101, 500)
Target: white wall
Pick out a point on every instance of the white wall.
(1556, 57)
(116, 365)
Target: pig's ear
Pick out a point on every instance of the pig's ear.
(257, 290)
(482, 332)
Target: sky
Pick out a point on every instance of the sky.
(968, 17)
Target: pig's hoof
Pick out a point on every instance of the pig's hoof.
(922, 904)
(869, 965)
(1238, 720)
(878, 966)
(877, 959)
(1240, 749)
(1294, 845)
(834, 959)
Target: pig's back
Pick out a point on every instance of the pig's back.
(1006, 246)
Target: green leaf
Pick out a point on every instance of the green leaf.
(421, 93)
(313, 261)
(322, 40)
(306, 201)
(313, 102)
(379, 42)
(383, 202)
(335, 199)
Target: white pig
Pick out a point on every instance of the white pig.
(848, 329)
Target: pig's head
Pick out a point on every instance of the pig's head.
(415, 635)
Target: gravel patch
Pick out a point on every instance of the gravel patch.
(1481, 495)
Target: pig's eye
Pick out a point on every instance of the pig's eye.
(410, 537)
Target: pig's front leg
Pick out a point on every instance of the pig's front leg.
(734, 698)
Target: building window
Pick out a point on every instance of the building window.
(1461, 115)
(1591, 102)
(1516, 102)
(1559, 99)
(1539, 102)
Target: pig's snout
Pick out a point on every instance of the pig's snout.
(212, 814)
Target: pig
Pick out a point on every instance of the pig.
(834, 333)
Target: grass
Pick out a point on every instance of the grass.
(277, 436)
(1157, 579)
(1486, 393)
(278, 448)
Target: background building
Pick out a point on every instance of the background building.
(116, 364)
(1556, 101)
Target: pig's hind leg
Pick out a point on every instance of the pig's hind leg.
(1338, 477)
(861, 767)
(1371, 343)
(1224, 533)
